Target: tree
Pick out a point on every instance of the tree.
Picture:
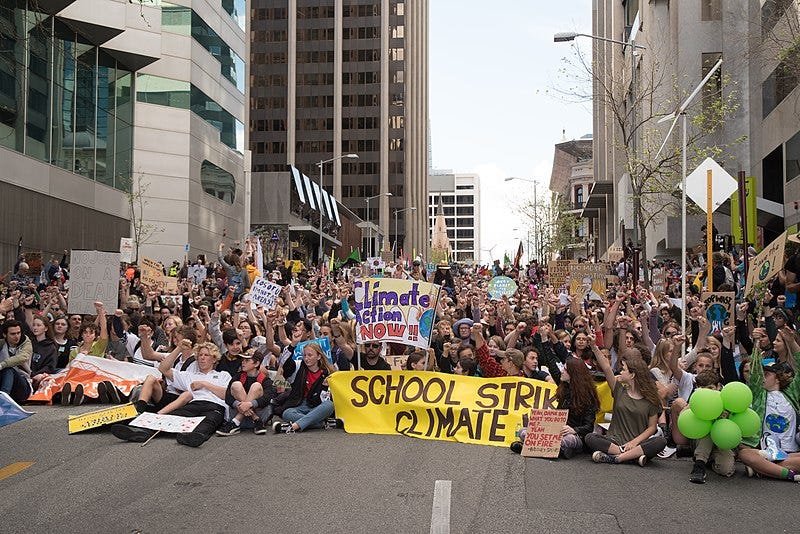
(142, 232)
(634, 110)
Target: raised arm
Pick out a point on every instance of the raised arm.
(165, 366)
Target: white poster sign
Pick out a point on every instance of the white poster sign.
(167, 423)
(126, 249)
(264, 292)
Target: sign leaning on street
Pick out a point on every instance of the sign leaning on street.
(94, 276)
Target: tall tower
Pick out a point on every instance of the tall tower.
(335, 77)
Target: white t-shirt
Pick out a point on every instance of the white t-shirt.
(780, 420)
(191, 368)
(182, 381)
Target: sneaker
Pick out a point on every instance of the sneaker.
(111, 392)
(698, 475)
(516, 447)
(331, 422)
(749, 471)
(568, 453)
(141, 406)
(102, 393)
(229, 429)
(131, 433)
(289, 428)
(599, 457)
(77, 396)
(278, 427)
(192, 439)
(642, 460)
(66, 394)
(260, 428)
(667, 452)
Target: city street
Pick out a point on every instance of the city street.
(330, 481)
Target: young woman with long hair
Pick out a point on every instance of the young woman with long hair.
(578, 394)
(631, 436)
(309, 403)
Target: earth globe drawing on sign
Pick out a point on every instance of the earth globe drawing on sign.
(426, 323)
(764, 271)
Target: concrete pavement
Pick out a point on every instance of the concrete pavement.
(330, 481)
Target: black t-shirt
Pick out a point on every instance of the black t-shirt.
(380, 365)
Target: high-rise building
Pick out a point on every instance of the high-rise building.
(459, 195)
(99, 98)
(336, 77)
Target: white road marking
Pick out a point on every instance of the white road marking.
(440, 517)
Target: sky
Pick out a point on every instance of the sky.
(493, 109)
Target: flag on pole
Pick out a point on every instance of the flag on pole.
(506, 259)
(259, 256)
(518, 257)
(10, 411)
(333, 253)
(354, 257)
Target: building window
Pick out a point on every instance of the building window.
(237, 10)
(579, 197)
(771, 13)
(777, 87)
(465, 199)
(711, 10)
(793, 157)
(217, 182)
(772, 178)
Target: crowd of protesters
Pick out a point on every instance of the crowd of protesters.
(232, 362)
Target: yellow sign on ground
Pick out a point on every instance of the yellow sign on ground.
(106, 416)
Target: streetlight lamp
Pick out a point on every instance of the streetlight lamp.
(394, 246)
(320, 165)
(369, 220)
(535, 206)
(570, 36)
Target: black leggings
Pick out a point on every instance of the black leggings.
(651, 446)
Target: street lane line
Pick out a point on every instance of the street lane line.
(440, 517)
(13, 469)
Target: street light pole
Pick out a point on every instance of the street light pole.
(395, 249)
(320, 165)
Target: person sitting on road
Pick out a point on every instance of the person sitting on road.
(704, 448)
(16, 351)
(576, 393)
(250, 394)
(208, 387)
(631, 436)
(308, 404)
(155, 395)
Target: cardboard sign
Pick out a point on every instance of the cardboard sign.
(171, 284)
(543, 439)
(437, 406)
(588, 274)
(393, 310)
(152, 274)
(264, 292)
(126, 249)
(167, 423)
(557, 271)
(323, 342)
(767, 264)
(659, 280)
(34, 261)
(94, 276)
(106, 416)
(397, 363)
(720, 309)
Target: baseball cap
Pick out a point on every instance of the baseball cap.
(253, 354)
(778, 367)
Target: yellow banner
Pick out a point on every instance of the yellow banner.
(106, 416)
(437, 406)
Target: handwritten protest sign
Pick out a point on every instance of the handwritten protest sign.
(767, 264)
(501, 285)
(323, 342)
(106, 416)
(94, 276)
(589, 274)
(397, 363)
(557, 272)
(659, 280)
(719, 310)
(393, 310)
(167, 423)
(264, 292)
(152, 273)
(437, 406)
(126, 249)
(197, 273)
(543, 439)
(171, 284)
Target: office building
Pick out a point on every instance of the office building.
(340, 77)
(459, 195)
(104, 101)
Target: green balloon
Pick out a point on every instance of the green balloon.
(692, 426)
(736, 397)
(706, 403)
(726, 434)
(748, 422)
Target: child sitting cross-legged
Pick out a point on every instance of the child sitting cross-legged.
(249, 396)
(704, 448)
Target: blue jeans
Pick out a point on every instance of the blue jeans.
(307, 417)
(13, 383)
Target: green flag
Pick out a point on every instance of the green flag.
(354, 257)
(506, 259)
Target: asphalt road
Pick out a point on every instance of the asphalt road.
(330, 481)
